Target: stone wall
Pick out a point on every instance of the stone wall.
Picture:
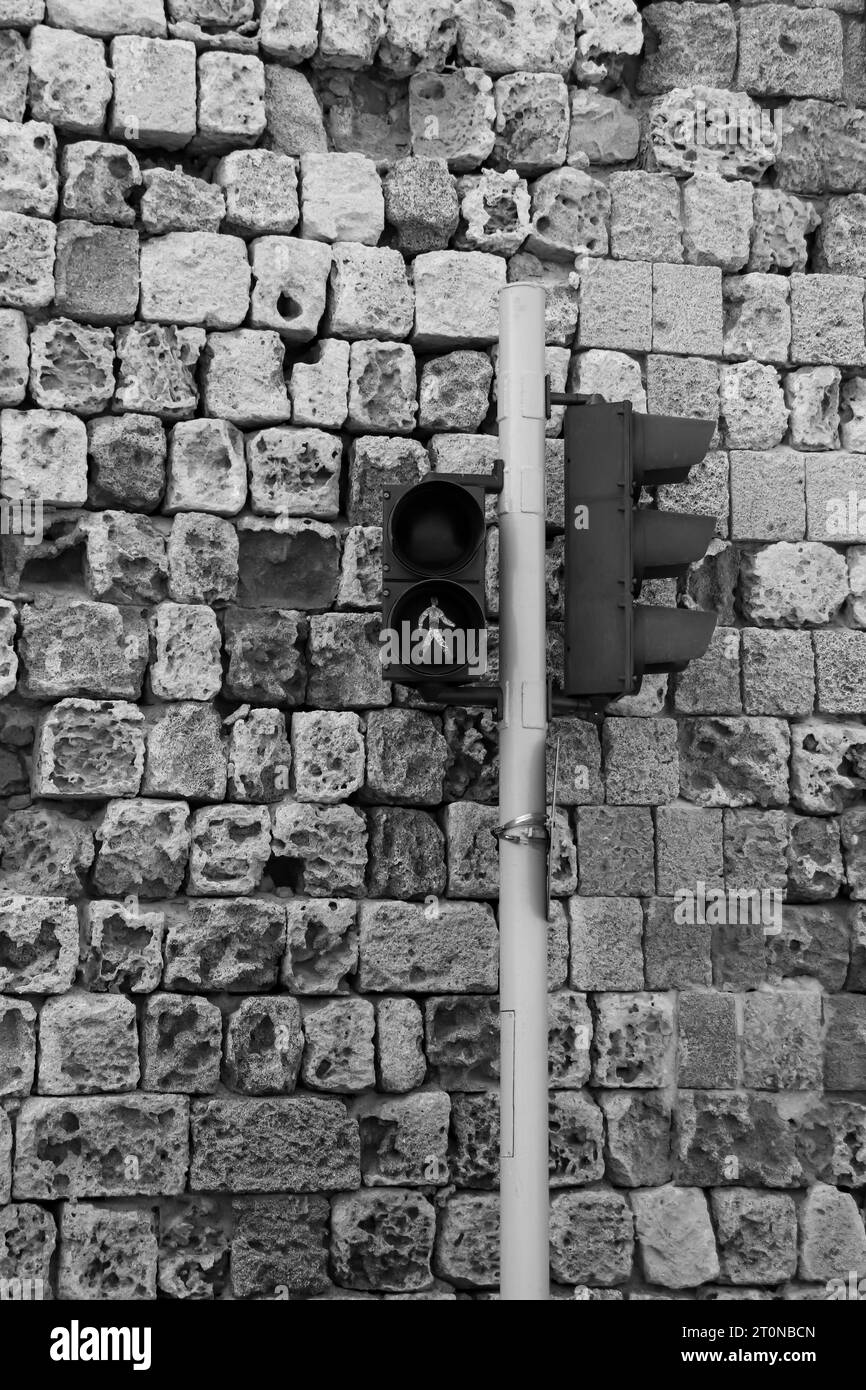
(249, 263)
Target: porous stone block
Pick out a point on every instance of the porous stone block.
(231, 101)
(601, 130)
(529, 37)
(404, 1141)
(638, 1137)
(734, 762)
(44, 455)
(290, 279)
(213, 946)
(284, 1144)
(154, 91)
(793, 53)
(605, 940)
(28, 168)
(757, 1236)
(185, 755)
(264, 1045)
(451, 117)
(532, 122)
(853, 415)
(676, 951)
(826, 765)
(127, 462)
(87, 1044)
(14, 357)
(827, 319)
(28, 1235)
(177, 202)
(195, 278)
(841, 247)
(322, 945)
(288, 560)
(613, 375)
(193, 1248)
(326, 847)
(26, 261)
(17, 1047)
(121, 947)
(757, 317)
(131, 1145)
(687, 133)
(615, 850)
(89, 749)
(768, 499)
(106, 1253)
(207, 469)
(328, 756)
(812, 397)
(96, 274)
(382, 388)
(341, 198)
(688, 848)
(288, 30)
(645, 223)
(462, 1041)
(400, 1061)
(99, 182)
(640, 761)
(373, 464)
(473, 860)
(229, 848)
(14, 70)
(570, 216)
(687, 309)
(839, 673)
(834, 497)
(260, 188)
(369, 294)
(71, 366)
(435, 948)
(320, 386)
(782, 224)
(406, 758)
(156, 369)
(407, 853)
(382, 1240)
(106, 18)
(778, 673)
(815, 867)
(38, 940)
(753, 411)
(202, 555)
(675, 1237)
(845, 1042)
(294, 472)
(70, 83)
(793, 585)
(142, 848)
(591, 1237)
(634, 1042)
(265, 650)
(616, 305)
(338, 1045)
(82, 649)
(243, 378)
(421, 204)
(181, 1044)
(259, 756)
(456, 298)
(279, 1247)
(186, 663)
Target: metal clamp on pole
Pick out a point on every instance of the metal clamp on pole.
(525, 829)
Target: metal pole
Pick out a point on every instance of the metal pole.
(524, 1243)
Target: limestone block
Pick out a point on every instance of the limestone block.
(852, 415)
(206, 468)
(295, 124)
(195, 278)
(369, 294)
(266, 655)
(243, 378)
(690, 44)
(229, 848)
(125, 558)
(82, 648)
(767, 496)
(288, 30)
(70, 83)
(272, 1068)
(793, 53)
(753, 412)
(645, 217)
(827, 319)
(26, 261)
(675, 1237)
(231, 101)
(757, 317)
(259, 756)
(121, 948)
(106, 1254)
(382, 388)
(319, 387)
(591, 1237)
(127, 462)
(294, 472)
(341, 198)
(14, 357)
(202, 555)
(142, 848)
(177, 202)
(687, 134)
(570, 216)
(28, 168)
(601, 128)
(734, 762)
(105, 18)
(401, 1063)
(40, 949)
(350, 33)
(328, 845)
(338, 1045)
(782, 224)
(327, 755)
(17, 1047)
(322, 945)
(99, 181)
(181, 1044)
(802, 585)
(531, 37)
(154, 91)
(96, 274)
(456, 298)
(812, 396)
(287, 1144)
(451, 117)
(448, 948)
(417, 36)
(185, 755)
(213, 946)
(87, 1044)
(280, 1244)
(421, 204)
(261, 192)
(383, 1240)
(687, 309)
(71, 366)
(156, 369)
(186, 663)
(14, 71)
(717, 221)
(634, 1040)
(841, 241)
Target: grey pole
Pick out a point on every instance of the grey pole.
(524, 1243)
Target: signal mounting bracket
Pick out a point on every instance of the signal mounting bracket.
(494, 481)
(471, 693)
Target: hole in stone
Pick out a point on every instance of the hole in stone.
(288, 308)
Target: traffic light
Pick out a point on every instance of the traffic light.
(434, 627)
(611, 545)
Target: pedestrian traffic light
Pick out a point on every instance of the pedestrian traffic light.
(612, 544)
(434, 627)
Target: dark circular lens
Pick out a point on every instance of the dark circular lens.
(436, 528)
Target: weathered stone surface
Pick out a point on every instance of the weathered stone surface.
(87, 1045)
(832, 1239)
(690, 44)
(451, 117)
(382, 1240)
(224, 946)
(615, 312)
(71, 367)
(407, 853)
(456, 298)
(264, 1044)
(121, 947)
(338, 1045)
(429, 949)
(38, 947)
(421, 204)
(462, 1041)
(725, 1137)
(186, 663)
(292, 1144)
(231, 101)
(28, 1236)
(341, 198)
(265, 650)
(14, 69)
(70, 84)
(687, 134)
(295, 124)
(195, 278)
(89, 748)
(101, 1146)
(259, 756)
(400, 1061)
(615, 850)
(757, 1236)
(634, 1040)
(181, 1044)
(14, 357)
(193, 1248)
(154, 91)
(734, 762)
(289, 285)
(229, 848)
(99, 181)
(788, 585)
(142, 848)
(106, 1254)
(325, 846)
(26, 261)
(44, 851)
(185, 755)
(202, 555)
(243, 379)
(782, 1040)
(44, 456)
(795, 53)
(176, 202)
(591, 1237)
(279, 1245)
(382, 388)
(17, 1047)
(345, 669)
